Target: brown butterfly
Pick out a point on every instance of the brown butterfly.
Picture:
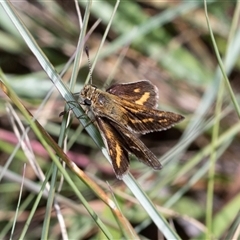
(122, 112)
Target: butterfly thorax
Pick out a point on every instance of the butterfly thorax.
(96, 99)
(100, 102)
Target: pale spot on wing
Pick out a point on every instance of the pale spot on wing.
(163, 120)
(135, 120)
(117, 149)
(146, 120)
(143, 99)
(137, 90)
(118, 155)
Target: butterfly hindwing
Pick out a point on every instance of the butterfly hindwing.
(141, 92)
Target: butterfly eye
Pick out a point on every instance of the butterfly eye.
(87, 102)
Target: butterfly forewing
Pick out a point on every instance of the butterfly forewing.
(114, 143)
(120, 143)
(141, 119)
(135, 146)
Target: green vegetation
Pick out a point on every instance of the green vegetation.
(190, 51)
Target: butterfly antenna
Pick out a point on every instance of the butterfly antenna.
(89, 63)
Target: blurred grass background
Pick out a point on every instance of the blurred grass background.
(163, 41)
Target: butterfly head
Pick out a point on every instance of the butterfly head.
(87, 94)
